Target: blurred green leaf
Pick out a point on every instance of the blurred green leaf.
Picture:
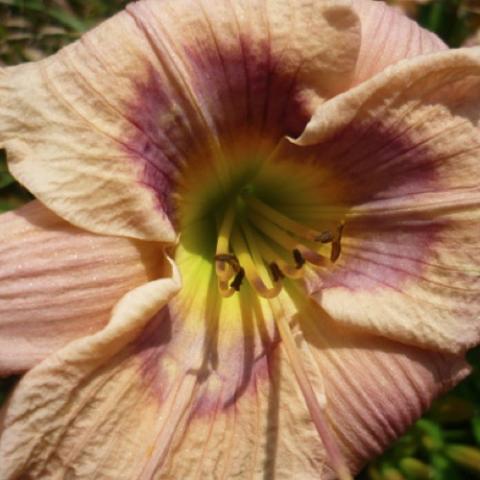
(431, 434)
(452, 410)
(415, 469)
(444, 469)
(476, 427)
(391, 473)
(465, 456)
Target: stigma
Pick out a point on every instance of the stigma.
(261, 245)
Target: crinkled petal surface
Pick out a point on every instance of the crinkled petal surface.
(58, 283)
(101, 131)
(388, 36)
(201, 386)
(403, 149)
(76, 385)
(179, 403)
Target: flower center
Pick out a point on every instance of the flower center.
(253, 225)
(262, 245)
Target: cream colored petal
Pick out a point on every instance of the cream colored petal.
(388, 36)
(179, 402)
(375, 388)
(402, 150)
(65, 135)
(58, 283)
(372, 389)
(85, 401)
(104, 131)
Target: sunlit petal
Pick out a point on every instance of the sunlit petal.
(102, 131)
(50, 422)
(325, 240)
(229, 408)
(58, 283)
(388, 36)
(408, 143)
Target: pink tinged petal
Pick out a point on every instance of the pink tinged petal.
(388, 36)
(237, 58)
(65, 139)
(58, 283)
(110, 122)
(176, 402)
(403, 150)
(83, 411)
(375, 388)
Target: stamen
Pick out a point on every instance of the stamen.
(244, 253)
(298, 257)
(223, 267)
(237, 281)
(325, 237)
(277, 274)
(226, 290)
(285, 240)
(336, 244)
(270, 256)
(280, 219)
(230, 259)
(316, 412)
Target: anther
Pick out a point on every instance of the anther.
(298, 257)
(277, 273)
(237, 281)
(325, 237)
(228, 258)
(336, 244)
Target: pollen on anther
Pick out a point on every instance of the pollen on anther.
(237, 281)
(336, 244)
(277, 273)
(298, 257)
(325, 237)
(228, 258)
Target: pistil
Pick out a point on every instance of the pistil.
(316, 411)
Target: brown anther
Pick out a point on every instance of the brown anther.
(237, 281)
(336, 250)
(336, 244)
(228, 258)
(340, 231)
(298, 257)
(325, 237)
(277, 273)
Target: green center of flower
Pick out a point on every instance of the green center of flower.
(263, 245)
(260, 222)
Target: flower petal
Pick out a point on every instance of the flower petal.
(403, 151)
(58, 283)
(45, 426)
(388, 36)
(152, 410)
(102, 131)
(374, 390)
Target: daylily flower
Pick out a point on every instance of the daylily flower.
(287, 228)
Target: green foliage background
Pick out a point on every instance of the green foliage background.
(445, 443)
